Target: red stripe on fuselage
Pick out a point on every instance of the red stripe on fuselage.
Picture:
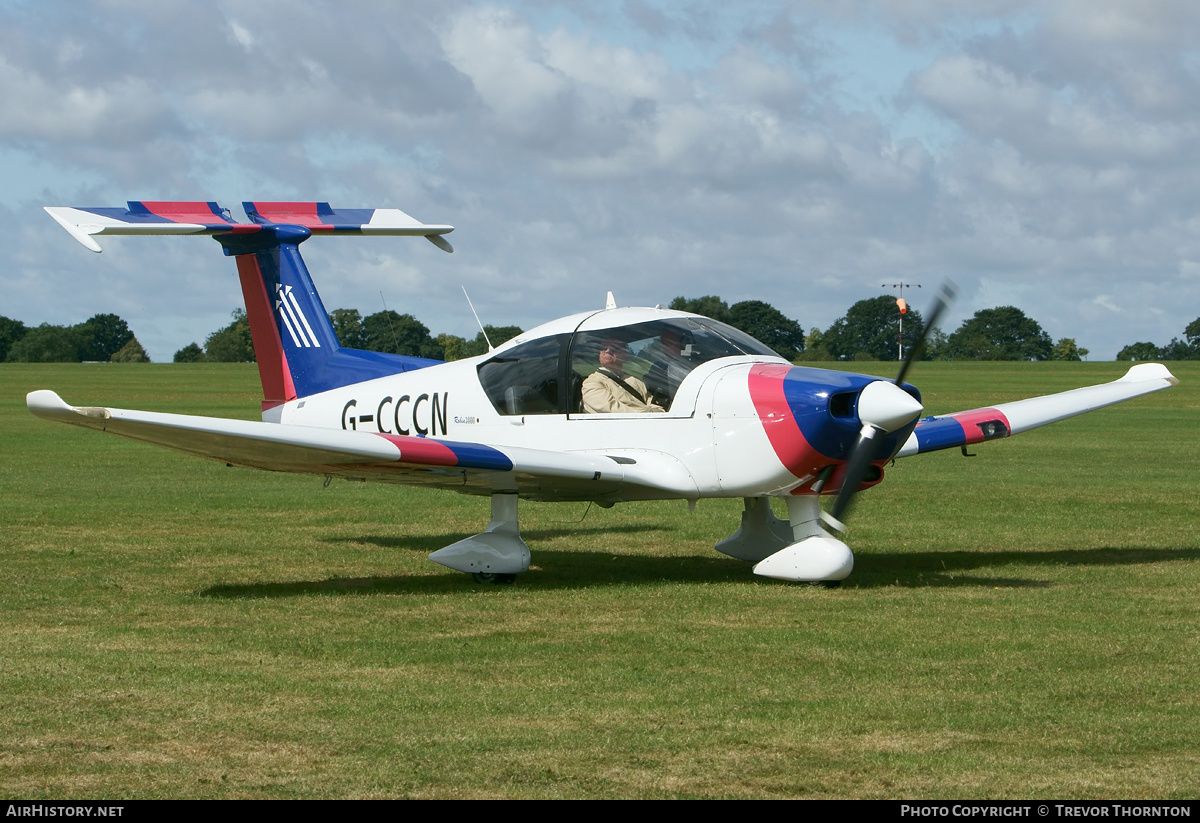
(765, 382)
(421, 450)
(273, 368)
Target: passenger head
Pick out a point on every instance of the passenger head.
(613, 354)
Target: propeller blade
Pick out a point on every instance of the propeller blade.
(883, 407)
(856, 469)
(945, 297)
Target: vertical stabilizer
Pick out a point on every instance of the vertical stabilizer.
(296, 348)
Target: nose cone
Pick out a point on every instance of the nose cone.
(886, 406)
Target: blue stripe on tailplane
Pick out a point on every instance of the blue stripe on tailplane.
(142, 213)
(319, 217)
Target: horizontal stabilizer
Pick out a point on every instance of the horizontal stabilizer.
(319, 218)
(1005, 419)
(146, 218)
(207, 218)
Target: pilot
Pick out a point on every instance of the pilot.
(608, 390)
(670, 364)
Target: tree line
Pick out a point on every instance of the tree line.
(868, 331)
(395, 333)
(1186, 349)
(385, 331)
(102, 337)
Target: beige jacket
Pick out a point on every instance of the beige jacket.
(603, 395)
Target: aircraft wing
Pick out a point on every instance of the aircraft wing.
(1005, 419)
(357, 455)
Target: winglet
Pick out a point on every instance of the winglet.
(48, 405)
(1149, 371)
(81, 233)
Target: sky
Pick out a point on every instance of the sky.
(1040, 154)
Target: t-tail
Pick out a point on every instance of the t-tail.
(297, 351)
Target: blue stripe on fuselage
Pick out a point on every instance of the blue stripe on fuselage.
(808, 392)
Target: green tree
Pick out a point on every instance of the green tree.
(1192, 332)
(1066, 349)
(766, 323)
(1179, 350)
(497, 334)
(1140, 351)
(937, 345)
(232, 344)
(191, 353)
(1002, 333)
(872, 327)
(131, 352)
(10, 332)
(102, 336)
(453, 346)
(457, 348)
(709, 306)
(348, 326)
(387, 331)
(814, 347)
(47, 344)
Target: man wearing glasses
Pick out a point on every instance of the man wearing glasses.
(609, 391)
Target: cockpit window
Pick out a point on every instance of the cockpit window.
(663, 352)
(524, 379)
(739, 338)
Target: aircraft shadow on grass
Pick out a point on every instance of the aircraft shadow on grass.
(572, 569)
(958, 568)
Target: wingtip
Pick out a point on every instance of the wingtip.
(80, 234)
(49, 406)
(1149, 371)
(45, 403)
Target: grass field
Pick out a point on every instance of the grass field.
(1024, 623)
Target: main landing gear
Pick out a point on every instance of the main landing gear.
(799, 549)
(495, 555)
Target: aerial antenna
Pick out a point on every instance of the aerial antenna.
(395, 339)
(482, 330)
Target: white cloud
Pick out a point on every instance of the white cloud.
(242, 36)
(992, 102)
(656, 152)
(34, 107)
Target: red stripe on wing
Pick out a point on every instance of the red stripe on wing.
(421, 450)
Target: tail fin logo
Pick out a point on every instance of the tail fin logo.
(293, 318)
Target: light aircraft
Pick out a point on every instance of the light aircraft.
(737, 419)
